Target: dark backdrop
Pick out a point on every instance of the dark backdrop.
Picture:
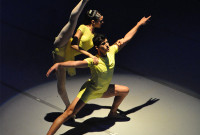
(166, 49)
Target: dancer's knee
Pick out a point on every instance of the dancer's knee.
(73, 18)
(126, 90)
(69, 113)
(123, 90)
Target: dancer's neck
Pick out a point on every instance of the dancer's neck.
(91, 27)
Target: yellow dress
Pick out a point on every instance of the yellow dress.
(101, 76)
(68, 53)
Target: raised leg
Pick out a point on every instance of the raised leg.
(68, 30)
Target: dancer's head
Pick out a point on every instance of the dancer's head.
(93, 17)
(101, 43)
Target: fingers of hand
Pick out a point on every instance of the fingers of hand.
(95, 60)
(47, 75)
(118, 42)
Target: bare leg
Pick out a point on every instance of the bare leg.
(61, 80)
(120, 92)
(73, 109)
(68, 30)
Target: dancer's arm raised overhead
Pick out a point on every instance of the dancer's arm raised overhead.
(122, 42)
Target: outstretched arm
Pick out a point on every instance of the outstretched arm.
(122, 42)
(67, 64)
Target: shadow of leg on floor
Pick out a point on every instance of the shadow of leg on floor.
(151, 101)
(95, 124)
(85, 111)
(89, 109)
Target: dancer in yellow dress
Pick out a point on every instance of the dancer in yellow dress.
(98, 86)
(101, 75)
(66, 47)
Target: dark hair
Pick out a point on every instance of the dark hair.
(98, 39)
(91, 15)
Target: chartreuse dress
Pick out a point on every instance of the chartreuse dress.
(69, 54)
(101, 76)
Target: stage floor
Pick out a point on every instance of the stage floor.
(32, 112)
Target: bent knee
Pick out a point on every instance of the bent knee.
(73, 18)
(69, 112)
(122, 89)
(126, 89)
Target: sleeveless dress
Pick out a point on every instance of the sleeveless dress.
(69, 54)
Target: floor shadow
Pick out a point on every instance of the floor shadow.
(85, 111)
(135, 109)
(89, 109)
(95, 124)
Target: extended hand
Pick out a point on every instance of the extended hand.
(95, 60)
(144, 20)
(120, 41)
(54, 67)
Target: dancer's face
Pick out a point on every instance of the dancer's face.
(99, 22)
(104, 47)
